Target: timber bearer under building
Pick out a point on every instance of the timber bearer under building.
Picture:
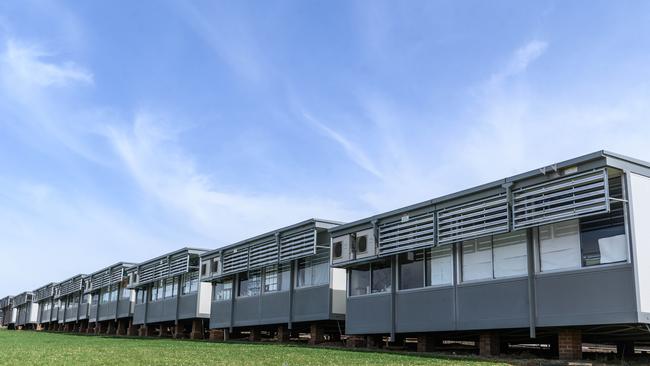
(44, 297)
(8, 312)
(111, 301)
(558, 255)
(277, 285)
(169, 299)
(72, 304)
(26, 310)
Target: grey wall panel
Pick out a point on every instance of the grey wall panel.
(169, 309)
(311, 303)
(425, 310)
(493, 304)
(61, 315)
(275, 308)
(45, 316)
(187, 306)
(247, 311)
(138, 313)
(220, 314)
(93, 313)
(368, 314)
(124, 308)
(83, 311)
(55, 314)
(106, 311)
(603, 295)
(155, 311)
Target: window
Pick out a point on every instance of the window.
(85, 299)
(360, 280)
(439, 266)
(249, 283)
(276, 277)
(126, 293)
(204, 269)
(380, 277)
(113, 296)
(215, 265)
(105, 296)
(314, 270)
(559, 245)
(362, 244)
(222, 290)
(140, 296)
(171, 288)
(190, 283)
(157, 291)
(477, 259)
(338, 249)
(95, 298)
(497, 256)
(411, 270)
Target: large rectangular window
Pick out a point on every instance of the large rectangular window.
(171, 288)
(559, 245)
(314, 270)
(105, 296)
(140, 296)
(250, 283)
(190, 283)
(222, 290)
(276, 277)
(113, 296)
(126, 293)
(439, 266)
(497, 256)
(411, 270)
(360, 280)
(380, 276)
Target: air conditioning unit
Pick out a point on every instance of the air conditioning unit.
(341, 250)
(364, 244)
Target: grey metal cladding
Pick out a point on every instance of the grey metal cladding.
(560, 199)
(44, 292)
(473, 219)
(407, 233)
(263, 254)
(69, 286)
(235, 260)
(6, 302)
(298, 245)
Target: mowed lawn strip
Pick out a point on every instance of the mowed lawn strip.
(39, 348)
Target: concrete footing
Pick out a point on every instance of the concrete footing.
(570, 344)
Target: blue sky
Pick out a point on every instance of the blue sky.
(128, 129)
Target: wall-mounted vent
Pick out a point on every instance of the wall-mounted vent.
(235, 260)
(406, 233)
(262, 254)
(474, 219)
(561, 199)
(298, 245)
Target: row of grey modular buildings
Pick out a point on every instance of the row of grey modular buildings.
(556, 256)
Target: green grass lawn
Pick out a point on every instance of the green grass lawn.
(39, 348)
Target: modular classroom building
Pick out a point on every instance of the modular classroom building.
(72, 304)
(27, 310)
(560, 253)
(111, 301)
(170, 300)
(47, 311)
(8, 312)
(277, 283)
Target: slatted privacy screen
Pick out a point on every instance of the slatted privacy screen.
(6, 302)
(262, 254)
(20, 299)
(70, 286)
(298, 245)
(235, 260)
(406, 233)
(474, 219)
(561, 199)
(160, 269)
(117, 274)
(43, 293)
(178, 264)
(99, 280)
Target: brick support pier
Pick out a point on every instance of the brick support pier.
(283, 333)
(428, 343)
(121, 327)
(254, 336)
(218, 334)
(570, 344)
(374, 341)
(197, 329)
(99, 328)
(355, 342)
(146, 331)
(131, 330)
(625, 349)
(110, 328)
(489, 344)
(316, 334)
(178, 331)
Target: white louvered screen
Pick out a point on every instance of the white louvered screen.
(178, 264)
(70, 286)
(20, 299)
(406, 233)
(116, 275)
(235, 260)
(6, 302)
(43, 293)
(262, 254)
(298, 245)
(474, 219)
(561, 199)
